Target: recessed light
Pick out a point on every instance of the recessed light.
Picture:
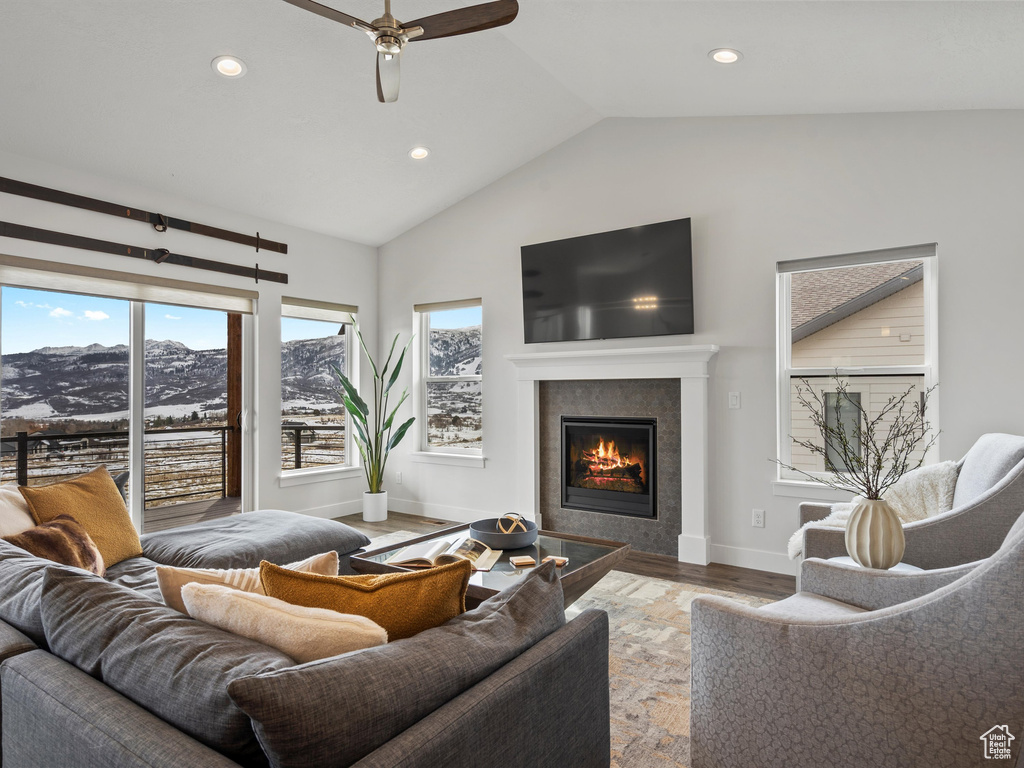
(228, 66)
(419, 153)
(725, 55)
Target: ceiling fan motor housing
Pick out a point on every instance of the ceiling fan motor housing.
(389, 45)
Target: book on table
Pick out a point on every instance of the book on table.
(439, 552)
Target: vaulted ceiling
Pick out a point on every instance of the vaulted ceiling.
(124, 88)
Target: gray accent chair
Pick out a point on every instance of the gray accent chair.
(863, 668)
(989, 497)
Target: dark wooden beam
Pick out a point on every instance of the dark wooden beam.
(233, 479)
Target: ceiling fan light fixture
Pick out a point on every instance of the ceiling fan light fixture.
(230, 67)
(725, 55)
(419, 153)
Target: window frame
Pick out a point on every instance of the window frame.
(307, 309)
(785, 372)
(425, 452)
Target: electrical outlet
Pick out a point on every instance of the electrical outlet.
(757, 518)
(398, 477)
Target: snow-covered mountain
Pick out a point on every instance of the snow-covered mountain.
(66, 382)
(455, 351)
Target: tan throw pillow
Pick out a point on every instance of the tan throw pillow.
(15, 516)
(63, 541)
(403, 603)
(305, 634)
(171, 579)
(94, 501)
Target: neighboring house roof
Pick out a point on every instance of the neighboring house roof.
(822, 298)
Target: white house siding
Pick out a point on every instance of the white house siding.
(871, 336)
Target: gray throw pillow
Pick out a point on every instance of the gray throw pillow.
(174, 666)
(336, 711)
(986, 463)
(21, 582)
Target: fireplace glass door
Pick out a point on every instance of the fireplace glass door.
(608, 465)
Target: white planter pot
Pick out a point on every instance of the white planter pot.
(874, 535)
(375, 507)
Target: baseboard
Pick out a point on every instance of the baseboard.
(694, 549)
(757, 559)
(442, 511)
(339, 509)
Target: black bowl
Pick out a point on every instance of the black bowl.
(487, 532)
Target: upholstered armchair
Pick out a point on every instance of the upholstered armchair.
(988, 498)
(863, 668)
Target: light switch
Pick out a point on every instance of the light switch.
(734, 400)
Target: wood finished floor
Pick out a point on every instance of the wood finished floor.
(772, 586)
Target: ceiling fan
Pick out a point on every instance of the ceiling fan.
(390, 35)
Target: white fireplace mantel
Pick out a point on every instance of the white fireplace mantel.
(689, 364)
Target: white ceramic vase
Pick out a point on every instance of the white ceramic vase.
(375, 507)
(874, 535)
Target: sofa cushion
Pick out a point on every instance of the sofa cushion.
(21, 583)
(172, 579)
(94, 501)
(175, 667)
(138, 573)
(304, 634)
(985, 464)
(404, 604)
(336, 711)
(243, 541)
(62, 540)
(15, 516)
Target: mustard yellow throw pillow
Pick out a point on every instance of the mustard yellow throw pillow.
(403, 603)
(93, 500)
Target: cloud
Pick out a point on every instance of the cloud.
(60, 312)
(31, 304)
(171, 317)
(95, 314)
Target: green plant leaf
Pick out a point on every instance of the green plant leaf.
(359, 335)
(391, 418)
(353, 394)
(387, 362)
(361, 433)
(400, 433)
(398, 365)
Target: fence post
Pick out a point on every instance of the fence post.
(22, 462)
(298, 448)
(224, 463)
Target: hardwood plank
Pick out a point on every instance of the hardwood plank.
(174, 515)
(772, 586)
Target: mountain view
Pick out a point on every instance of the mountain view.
(455, 409)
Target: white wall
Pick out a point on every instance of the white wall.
(758, 189)
(318, 267)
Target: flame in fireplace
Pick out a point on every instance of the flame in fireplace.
(605, 458)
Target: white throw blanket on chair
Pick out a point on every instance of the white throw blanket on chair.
(923, 492)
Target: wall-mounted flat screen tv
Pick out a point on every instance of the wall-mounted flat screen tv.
(630, 282)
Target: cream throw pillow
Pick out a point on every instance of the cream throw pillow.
(171, 579)
(14, 513)
(305, 634)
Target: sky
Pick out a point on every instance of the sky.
(456, 318)
(31, 319)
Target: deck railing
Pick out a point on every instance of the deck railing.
(182, 463)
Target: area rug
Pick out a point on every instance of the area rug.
(649, 665)
(649, 662)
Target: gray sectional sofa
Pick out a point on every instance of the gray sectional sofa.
(98, 673)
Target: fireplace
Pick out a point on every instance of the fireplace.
(608, 465)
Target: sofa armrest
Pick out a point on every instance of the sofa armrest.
(547, 707)
(812, 511)
(824, 542)
(54, 714)
(872, 589)
(13, 642)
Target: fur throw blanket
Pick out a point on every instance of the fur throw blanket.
(921, 493)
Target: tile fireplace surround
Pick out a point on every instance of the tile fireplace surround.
(688, 364)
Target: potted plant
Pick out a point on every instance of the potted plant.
(866, 455)
(375, 434)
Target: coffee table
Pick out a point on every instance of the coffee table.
(589, 560)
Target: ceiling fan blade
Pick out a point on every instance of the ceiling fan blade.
(388, 75)
(463, 20)
(333, 15)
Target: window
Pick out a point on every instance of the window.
(868, 317)
(314, 338)
(451, 400)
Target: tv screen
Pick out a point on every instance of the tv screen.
(630, 282)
